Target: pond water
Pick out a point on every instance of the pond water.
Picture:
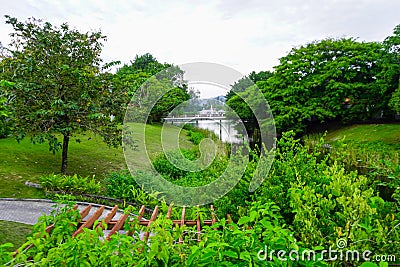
(224, 129)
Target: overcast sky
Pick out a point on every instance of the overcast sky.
(244, 35)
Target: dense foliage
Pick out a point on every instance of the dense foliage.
(5, 112)
(390, 76)
(223, 244)
(247, 81)
(323, 201)
(122, 185)
(74, 184)
(143, 78)
(309, 201)
(329, 80)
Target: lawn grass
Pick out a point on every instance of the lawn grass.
(24, 161)
(387, 133)
(14, 232)
(380, 141)
(151, 146)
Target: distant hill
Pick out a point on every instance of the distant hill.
(218, 100)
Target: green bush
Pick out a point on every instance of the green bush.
(122, 185)
(223, 244)
(308, 200)
(322, 201)
(164, 164)
(197, 134)
(70, 184)
(117, 184)
(195, 137)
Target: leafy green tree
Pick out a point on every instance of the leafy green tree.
(389, 78)
(328, 79)
(60, 90)
(5, 112)
(146, 97)
(5, 96)
(140, 88)
(244, 89)
(395, 100)
(239, 106)
(247, 81)
(146, 63)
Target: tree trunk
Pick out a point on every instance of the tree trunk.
(64, 161)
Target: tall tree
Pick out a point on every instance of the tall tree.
(140, 88)
(5, 96)
(5, 112)
(247, 81)
(243, 89)
(389, 78)
(328, 79)
(59, 88)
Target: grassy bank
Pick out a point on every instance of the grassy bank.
(387, 133)
(24, 161)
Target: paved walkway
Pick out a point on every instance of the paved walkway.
(29, 210)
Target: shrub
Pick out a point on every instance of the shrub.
(117, 184)
(165, 164)
(197, 134)
(322, 201)
(70, 184)
(195, 137)
(122, 185)
(223, 244)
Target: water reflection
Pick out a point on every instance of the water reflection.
(224, 129)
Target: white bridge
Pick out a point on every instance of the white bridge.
(195, 118)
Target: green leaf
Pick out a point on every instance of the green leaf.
(368, 264)
(230, 253)
(244, 220)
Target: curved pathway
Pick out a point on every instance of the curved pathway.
(28, 211)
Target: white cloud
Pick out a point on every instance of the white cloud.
(247, 36)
